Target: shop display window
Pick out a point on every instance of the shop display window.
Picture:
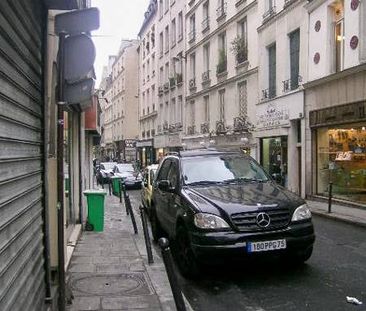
(341, 159)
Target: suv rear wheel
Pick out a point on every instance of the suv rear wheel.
(184, 255)
(156, 230)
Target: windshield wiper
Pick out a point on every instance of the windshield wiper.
(244, 179)
(203, 182)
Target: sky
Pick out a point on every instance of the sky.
(118, 19)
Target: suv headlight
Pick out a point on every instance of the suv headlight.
(301, 213)
(209, 221)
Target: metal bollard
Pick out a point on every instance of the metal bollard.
(129, 207)
(125, 198)
(330, 198)
(120, 191)
(173, 280)
(150, 258)
(109, 187)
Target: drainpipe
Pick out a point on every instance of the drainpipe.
(81, 214)
(60, 176)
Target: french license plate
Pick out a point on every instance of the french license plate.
(264, 246)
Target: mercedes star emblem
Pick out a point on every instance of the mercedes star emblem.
(263, 220)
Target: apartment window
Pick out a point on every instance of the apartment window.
(270, 8)
(174, 32)
(192, 28)
(241, 42)
(153, 65)
(222, 105)
(272, 71)
(206, 105)
(161, 8)
(152, 37)
(166, 6)
(173, 112)
(161, 43)
(167, 71)
(206, 63)
(166, 38)
(192, 59)
(180, 26)
(179, 108)
(243, 99)
(192, 112)
(294, 58)
(222, 63)
(338, 36)
(166, 112)
(205, 16)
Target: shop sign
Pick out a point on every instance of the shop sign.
(354, 112)
(144, 143)
(273, 116)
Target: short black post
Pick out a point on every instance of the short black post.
(129, 207)
(330, 198)
(109, 186)
(173, 280)
(150, 258)
(120, 190)
(125, 197)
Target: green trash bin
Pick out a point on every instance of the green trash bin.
(95, 199)
(115, 185)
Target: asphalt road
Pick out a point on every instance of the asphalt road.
(336, 269)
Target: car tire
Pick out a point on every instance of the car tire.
(186, 260)
(156, 230)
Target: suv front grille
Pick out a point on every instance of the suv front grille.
(247, 221)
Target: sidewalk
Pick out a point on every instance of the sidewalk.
(352, 215)
(109, 269)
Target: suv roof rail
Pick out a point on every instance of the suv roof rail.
(172, 153)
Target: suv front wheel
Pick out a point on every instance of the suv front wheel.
(186, 260)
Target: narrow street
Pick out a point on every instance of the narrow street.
(337, 269)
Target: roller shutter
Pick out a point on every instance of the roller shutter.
(22, 25)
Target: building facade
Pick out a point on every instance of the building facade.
(221, 74)
(123, 111)
(280, 121)
(335, 100)
(148, 110)
(170, 61)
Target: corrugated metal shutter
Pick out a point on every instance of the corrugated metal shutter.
(22, 285)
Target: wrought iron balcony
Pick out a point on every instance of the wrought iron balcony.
(221, 10)
(165, 126)
(160, 90)
(192, 83)
(191, 130)
(192, 36)
(205, 128)
(172, 128)
(172, 82)
(268, 93)
(206, 76)
(166, 87)
(241, 124)
(206, 24)
(291, 84)
(220, 127)
(179, 78)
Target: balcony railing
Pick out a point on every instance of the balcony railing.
(191, 130)
(271, 12)
(165, 126)
(206, 76)
(192, 83)
(205, 128)
(268, 93)
(288, 3)
(220, 127)
(179, 78)
(221, 11)
(206, 24)
(160, 90)
(166, 87)
(172, 82)
(241, 124)
(192, 36)
(221, 66)
(291, 84)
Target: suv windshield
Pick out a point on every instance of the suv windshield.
(108, 165)
(221, 169)
(125, 168)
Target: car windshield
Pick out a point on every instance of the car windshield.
(125, 168)
(221, 169)
(108, 165)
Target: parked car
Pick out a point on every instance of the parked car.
(147, 185)
(218, 205)
(129, 174)
(104, 172)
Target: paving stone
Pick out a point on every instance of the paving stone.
(106, 260)
(81, 259)
(82, 267)
(85, 303)
(128, 303)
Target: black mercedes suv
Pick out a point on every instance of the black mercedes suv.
(222, 204)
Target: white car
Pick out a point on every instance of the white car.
(129, 175)
(104, 172)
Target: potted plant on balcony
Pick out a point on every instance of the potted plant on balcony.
(222, 65)
(239, 48)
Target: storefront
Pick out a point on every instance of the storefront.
(340, 144)
(145, 152)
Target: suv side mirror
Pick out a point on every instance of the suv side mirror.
(165, 185)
